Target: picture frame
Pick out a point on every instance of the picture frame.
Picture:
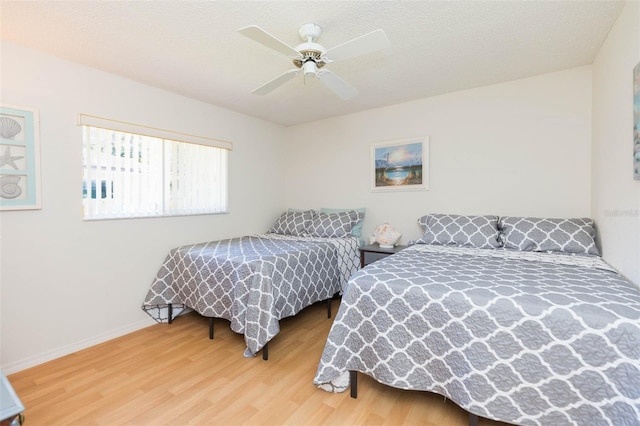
(19, 158)
(400, 165)
(636, 122)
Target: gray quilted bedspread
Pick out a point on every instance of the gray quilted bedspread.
(522, 338)
(252, 281)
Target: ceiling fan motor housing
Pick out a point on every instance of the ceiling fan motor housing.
(312, 53)
(311, 59)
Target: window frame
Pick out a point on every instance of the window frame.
(164, 137)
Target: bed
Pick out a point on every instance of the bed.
(256, 280)
(517, 320)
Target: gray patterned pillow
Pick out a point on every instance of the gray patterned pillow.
(334, 225)
(293, 223)
(542, 234)
(423, 222)
(468, 231)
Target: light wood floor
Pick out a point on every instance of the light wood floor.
(174, 375)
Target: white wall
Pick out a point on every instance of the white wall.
(616, 195)
(517, 148)
(66, 283)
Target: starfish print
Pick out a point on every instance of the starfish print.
(6, 158)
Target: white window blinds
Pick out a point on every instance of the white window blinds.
(195, 178)
(134, 174)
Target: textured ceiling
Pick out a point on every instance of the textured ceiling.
(194, 48)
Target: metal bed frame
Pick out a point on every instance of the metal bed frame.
(265, 348)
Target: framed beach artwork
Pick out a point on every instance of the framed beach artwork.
(636, 122)
(400, 165)
(19, 159)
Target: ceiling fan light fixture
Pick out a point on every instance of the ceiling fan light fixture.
(310, 69)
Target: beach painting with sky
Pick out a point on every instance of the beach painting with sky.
(400, 165)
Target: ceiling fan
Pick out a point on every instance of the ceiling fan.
(310, 57)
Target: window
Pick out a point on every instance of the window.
(135, 171)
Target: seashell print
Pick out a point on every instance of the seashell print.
(9, 127)
(9, 187)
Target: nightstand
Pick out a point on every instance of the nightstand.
(371, 253)
(11, 407)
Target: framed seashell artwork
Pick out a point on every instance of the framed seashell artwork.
(19, 158)
(400, 165)
(636, 122)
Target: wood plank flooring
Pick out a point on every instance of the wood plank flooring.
(174, 375)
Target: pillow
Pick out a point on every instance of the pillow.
(293, 223)
(334, 225)
(543, 234)
(468, 231)
(423, 222)
(356, 231)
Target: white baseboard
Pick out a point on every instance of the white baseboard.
(32, 361)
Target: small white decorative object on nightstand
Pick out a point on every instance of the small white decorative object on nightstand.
(386, 236)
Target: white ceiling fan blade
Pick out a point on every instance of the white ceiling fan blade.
(261, 36)
(370, 42)
(275, 83)
(337, 85)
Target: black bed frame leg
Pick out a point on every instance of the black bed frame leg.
(211, 328)
(170, 312)
(473, 420)
(353, 378)
(265, 351)
(329, 308)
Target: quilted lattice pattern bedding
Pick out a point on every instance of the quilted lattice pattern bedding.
(525, 338)
(252, 281)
